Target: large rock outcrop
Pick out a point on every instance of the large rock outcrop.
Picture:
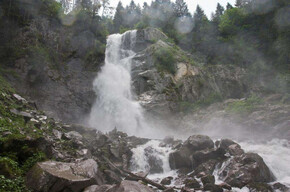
(52, 176)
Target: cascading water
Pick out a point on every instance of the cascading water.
(115, 107)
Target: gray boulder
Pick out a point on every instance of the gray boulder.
(230, 147)
(244, 169)
(52, 176)
(184, 157)
(199, 142)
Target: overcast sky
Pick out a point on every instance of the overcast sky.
(208, 6)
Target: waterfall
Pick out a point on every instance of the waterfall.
(115, 106)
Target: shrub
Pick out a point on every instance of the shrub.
(165, 60)
(15, 185)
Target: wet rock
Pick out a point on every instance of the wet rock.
(208, 179)
(166, 181)
(154, 162)
(230, 147)
(73, 135)
(182, 158)
(202, 156)
(225, 186)
(242, 170)
(192, 183)
(261, 187)
(169, 190)
(97, 188)
(281, 187)
(52, 176)
(185, 189)
(205, 168)
(198, 142)
(213, 188)
(112, 177)
(126, 186)
(235, 149)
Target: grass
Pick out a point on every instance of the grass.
(244, 107)
(202, 103)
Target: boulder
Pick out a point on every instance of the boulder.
(52, 176)
(242, 170)
(202, 156)
(208, 179)
(131, 186)
(97, 188)
(230, 147)
(281, 187)
(198, 142)
(183, 157)
(205, 168)
(166, 181)
(192, 183)
(112, 177)
(225, 186)
(213, 188)
(261, 187)
(169, 190)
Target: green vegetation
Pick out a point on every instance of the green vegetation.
(202, 103)
(15, 185)
(243, 107)
(17, 153)
(165, 59)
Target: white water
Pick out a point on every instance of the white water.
(153, 148)
(115, 106)
(276, 155)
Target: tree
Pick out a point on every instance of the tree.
(106, 7)
(218, 13)
(199, 17)
(118, 18)
(180, 9)
(229, 6)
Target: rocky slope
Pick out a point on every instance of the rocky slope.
(38, 153)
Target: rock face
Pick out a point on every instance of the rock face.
(52, 176)
(160, 91)
(242, 170)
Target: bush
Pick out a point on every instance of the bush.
(15, 185)
(165, 60)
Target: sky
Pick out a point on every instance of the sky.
(208, 6)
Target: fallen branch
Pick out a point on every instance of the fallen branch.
(127, 173)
